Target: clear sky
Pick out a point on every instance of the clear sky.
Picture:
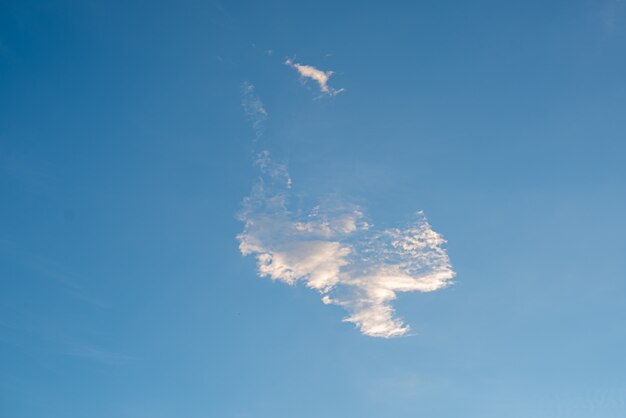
(166, 168)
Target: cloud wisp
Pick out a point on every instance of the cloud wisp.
(321, 77)
(253, 108)
(333, 249)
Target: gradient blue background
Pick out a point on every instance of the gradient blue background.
(124, 156)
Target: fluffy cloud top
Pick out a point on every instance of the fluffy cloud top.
(313, 73)
(333, 250)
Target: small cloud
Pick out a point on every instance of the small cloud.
(332, 249)
(313, 73)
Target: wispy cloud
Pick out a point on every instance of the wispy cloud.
(97, 354)
(612, 13)
(332, 247)
(253, 108)
(335, 251)
(50, 269)
(313, 73)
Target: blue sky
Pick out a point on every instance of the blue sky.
(127, 152)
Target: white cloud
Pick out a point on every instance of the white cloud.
(333, 250)
(313, 73)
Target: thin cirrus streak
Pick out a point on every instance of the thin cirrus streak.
(332, 249)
